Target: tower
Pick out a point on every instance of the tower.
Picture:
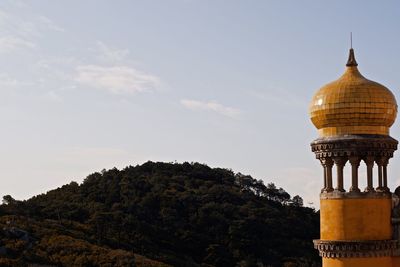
(353, 116)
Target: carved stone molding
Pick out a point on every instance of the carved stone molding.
(356, 249)
(354, 145)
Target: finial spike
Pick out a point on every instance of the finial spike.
(351, 40)
(352, 59)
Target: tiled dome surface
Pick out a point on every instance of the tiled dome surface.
(353, 105)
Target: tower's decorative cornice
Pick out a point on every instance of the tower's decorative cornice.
(356, 249)
(354, 145)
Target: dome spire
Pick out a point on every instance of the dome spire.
(352, 59)
(351, 62)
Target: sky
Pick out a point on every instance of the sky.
(92, 85)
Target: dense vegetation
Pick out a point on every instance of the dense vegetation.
(182, 214)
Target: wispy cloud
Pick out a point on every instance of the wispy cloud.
(49, 24)
(212, 106)
(53, 96)
(8, 82)
(20, 4)
(10, 43)
(111, 55)
(22, 30)
(27, 26)
(117, 79)
(108, 68)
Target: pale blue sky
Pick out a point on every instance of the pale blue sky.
(87, 85)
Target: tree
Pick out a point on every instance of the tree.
(297, 201)
(186, 214)
(9, 200)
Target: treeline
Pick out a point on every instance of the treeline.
(183, 214)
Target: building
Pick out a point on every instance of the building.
(353, 116)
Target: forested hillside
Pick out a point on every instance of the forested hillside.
(181, 214)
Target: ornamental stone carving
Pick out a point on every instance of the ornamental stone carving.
(356, 249)
(347, 146)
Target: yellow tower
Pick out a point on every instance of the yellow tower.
(353, 116)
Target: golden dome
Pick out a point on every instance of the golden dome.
(353, 105)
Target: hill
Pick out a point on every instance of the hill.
(181, 214)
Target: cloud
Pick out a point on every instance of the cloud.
(53, 96)
(109, 54)
(211, 106)
(20, 4)
(8, 82)
(49, 24)
(27, 25)
(117, 80)
(10, 43)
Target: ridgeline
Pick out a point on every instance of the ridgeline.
(179, 214)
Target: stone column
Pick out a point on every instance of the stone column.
(369, 160)
(379, 162)
(328, 164)
(339, 162)
(355, 163)
(324, 169)
(384, 170)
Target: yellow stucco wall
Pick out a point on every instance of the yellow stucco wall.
(396, 262)
(356, 219)
(359, 262)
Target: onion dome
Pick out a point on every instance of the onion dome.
(353, 105)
